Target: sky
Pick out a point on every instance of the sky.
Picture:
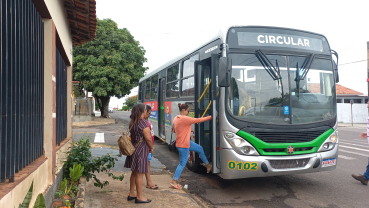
(167, 29)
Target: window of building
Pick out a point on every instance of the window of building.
(188, 80)
(154, 87)
(148, 87)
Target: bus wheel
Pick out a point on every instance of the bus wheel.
(193, 163)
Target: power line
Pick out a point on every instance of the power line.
(352, 62)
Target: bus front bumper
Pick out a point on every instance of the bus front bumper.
(234, 165)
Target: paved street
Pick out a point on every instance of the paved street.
(325, 189)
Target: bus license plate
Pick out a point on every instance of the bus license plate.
(329, 162)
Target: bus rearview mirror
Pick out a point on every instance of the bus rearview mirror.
(224, 72)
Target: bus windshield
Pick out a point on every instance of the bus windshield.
(297, 94)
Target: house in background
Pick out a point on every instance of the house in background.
(345, 95)
(356, 112)
(37, 37)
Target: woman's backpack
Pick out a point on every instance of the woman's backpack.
(125, 145)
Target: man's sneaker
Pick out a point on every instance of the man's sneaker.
(360, 178)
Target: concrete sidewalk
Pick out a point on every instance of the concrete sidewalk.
(115, 194)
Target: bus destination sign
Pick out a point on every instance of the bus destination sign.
(279, 40)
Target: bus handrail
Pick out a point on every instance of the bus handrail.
(206, 109)
(203, 93)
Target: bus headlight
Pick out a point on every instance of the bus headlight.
(240, 145)
(329, 143)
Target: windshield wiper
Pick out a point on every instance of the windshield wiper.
(305, 67)
(273, 71)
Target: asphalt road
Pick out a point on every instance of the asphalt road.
(324, 189)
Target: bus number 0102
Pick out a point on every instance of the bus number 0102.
(243, 165)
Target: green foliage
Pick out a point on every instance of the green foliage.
(63, 190)
(40, 202)
(77, 91)
(110, 65)
(27, 199)
(67, 203)
(80, 153)
(75, 173)
(131, 101)
(125, 108)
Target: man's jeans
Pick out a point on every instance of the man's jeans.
(183, 157)
(366, 174)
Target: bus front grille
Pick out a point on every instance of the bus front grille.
(286, 164)
(284, 149)
(288, 137)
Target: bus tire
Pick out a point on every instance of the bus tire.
(194, 163)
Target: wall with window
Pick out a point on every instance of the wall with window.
(36, 79)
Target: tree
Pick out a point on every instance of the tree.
(131, 101)
(110, 65)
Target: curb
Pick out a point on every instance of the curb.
(81, 194)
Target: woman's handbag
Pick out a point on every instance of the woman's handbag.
(172, 144)
(125, 145)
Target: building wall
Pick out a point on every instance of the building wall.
(43, 173)
(59, 16)
(16, 195)
(359, 113)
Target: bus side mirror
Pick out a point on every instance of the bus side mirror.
(224, 72)
(335, 65)
(336, 72)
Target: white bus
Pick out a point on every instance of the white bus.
(271, 92)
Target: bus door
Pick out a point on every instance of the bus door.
(203, 107)
(161, 118)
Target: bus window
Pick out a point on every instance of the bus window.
(189, 66)
(147, 89)
(173, 73)
(154, 87)
(188, 87)
(172, 90)
(140, 92)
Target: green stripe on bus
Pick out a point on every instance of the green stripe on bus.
(260, 145)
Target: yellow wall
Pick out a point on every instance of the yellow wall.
(16, 196)
(48, 98)
(59, 16)
(62, 156)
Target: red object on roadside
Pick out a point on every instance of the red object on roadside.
(367, 80)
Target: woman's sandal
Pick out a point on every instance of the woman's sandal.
(153, 187)
(177, 186)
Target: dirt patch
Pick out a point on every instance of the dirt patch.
(96, 122)
(96, 145)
